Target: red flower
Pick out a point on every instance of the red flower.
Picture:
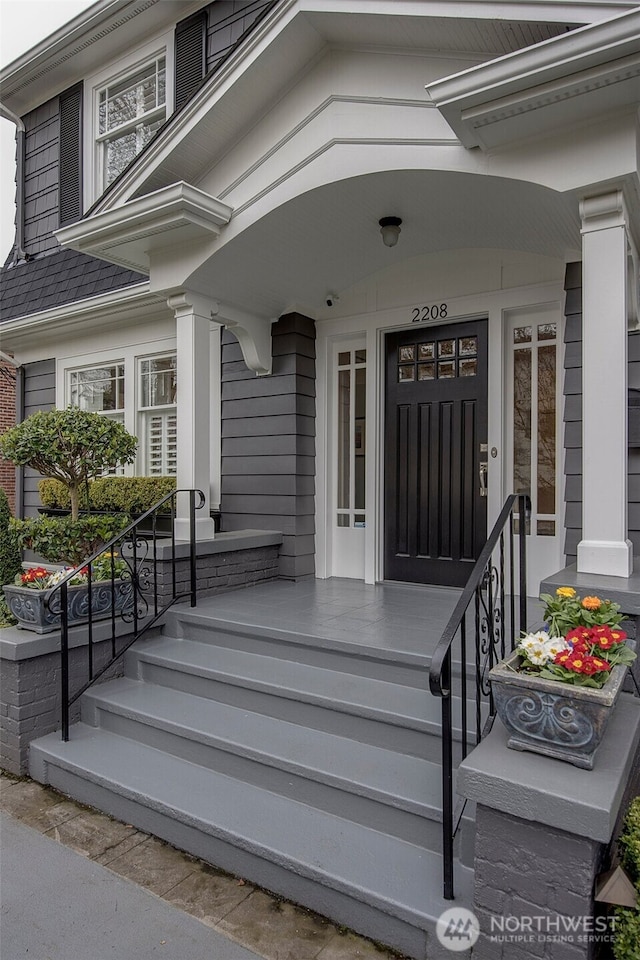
(33, 574)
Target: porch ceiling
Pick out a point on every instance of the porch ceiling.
(327, 240)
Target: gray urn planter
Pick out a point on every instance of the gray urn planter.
(39, 610)
(550, 717)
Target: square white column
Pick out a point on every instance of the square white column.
(193, 426)
(605, 547)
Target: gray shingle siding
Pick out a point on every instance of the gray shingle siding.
(51, 276)
(42, 135)
(634, 452)
(39, 394)
(573, 420)
(268, 442)
(64, 276)
(228, 21)
(573, 409)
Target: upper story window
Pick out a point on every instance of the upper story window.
(129, 113)
(125, 105)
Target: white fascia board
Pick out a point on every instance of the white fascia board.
(549, 11)
(98, 14)
(585, 55)
(137, 296)
(96, 36)
(180, 212)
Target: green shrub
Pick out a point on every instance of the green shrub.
(65, 540)
(130, 494)
(10, 555)
(627, 931)
(69, 445)
(127, 494)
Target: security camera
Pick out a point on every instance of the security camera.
(332, 298)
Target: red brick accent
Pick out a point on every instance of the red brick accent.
(8, 419)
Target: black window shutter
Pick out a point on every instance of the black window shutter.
(191, 37)
(70, 169)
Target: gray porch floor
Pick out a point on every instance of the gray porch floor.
(396, 620)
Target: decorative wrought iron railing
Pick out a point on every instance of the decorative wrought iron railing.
(139, 587)
(459, 672)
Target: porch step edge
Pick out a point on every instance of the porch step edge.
(310, 844)
(365, 770)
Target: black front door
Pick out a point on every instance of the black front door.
(435, 452)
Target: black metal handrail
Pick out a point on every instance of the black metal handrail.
(494, 591)
(135, 593)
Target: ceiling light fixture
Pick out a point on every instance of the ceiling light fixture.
(390, 230)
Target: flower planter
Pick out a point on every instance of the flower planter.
(553, 718)
(39, 610)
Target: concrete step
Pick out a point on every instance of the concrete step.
(353, 657)
(388, 715)
(377, 884)
(384, 789)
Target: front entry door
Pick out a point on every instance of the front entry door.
(435, 452)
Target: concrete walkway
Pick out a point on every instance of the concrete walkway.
(77, 885)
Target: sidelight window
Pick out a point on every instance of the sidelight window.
(535, 434)
(351, 437)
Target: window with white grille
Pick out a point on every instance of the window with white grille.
(100, 390)
(149, 410)
(130, 111)
(157, 406)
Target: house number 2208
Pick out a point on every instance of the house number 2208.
(437, 311)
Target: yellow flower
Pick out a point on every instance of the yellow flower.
(565, 592)
(592, 603)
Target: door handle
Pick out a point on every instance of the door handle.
(484, 473)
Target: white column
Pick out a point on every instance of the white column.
(605, 548)
(193, 324)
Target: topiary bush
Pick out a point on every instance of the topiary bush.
(70, 445)
(63, 539)
(129, 494)
(627, 929)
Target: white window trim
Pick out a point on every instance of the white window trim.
(160, 46)
(130, 356)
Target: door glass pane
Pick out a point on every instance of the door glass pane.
(446, 370)
(468, 346)
(522, 335)
(344, 438)
(447, 348)
(546, 528)
(426, 351)
(546, 331)
(522, 421)
(546, 429)
(426, 371)
(406, 371)
(468, 368)
(360, 436)
(407, 353)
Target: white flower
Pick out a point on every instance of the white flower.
(539, 648)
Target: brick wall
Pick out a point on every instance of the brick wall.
(8, 419)
(30, 699)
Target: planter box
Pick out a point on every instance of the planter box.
(39, 610)
(553, 718)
